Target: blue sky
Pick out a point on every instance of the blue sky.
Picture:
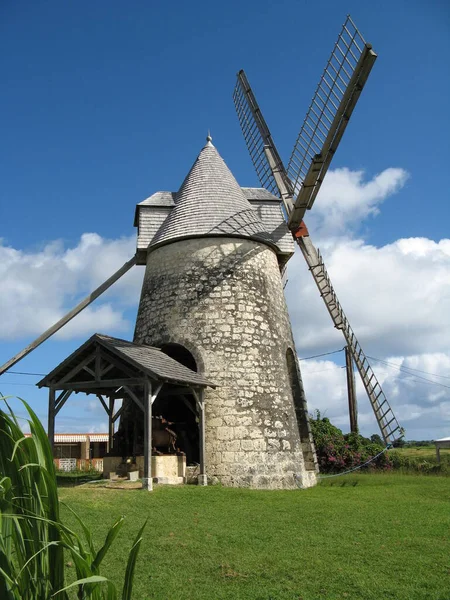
(105, 103)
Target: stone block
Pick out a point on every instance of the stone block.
(224, 433)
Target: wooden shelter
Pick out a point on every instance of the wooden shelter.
(441, 444)
(113, 369)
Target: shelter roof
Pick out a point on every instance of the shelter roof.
(136, 359)
(210, 202)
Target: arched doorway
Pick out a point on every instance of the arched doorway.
(301, 410)
(181, 355)
(179, 408)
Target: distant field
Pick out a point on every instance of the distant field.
(425, 452)
(365, 537)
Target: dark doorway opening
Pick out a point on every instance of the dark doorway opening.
(179, 409)
(301, 410)
(180, 354)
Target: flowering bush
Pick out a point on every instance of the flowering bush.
(339, 452)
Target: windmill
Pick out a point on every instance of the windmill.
(334, 100)
(212, 303)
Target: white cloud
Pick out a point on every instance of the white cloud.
(345, 199)
(38, 288)
(397, 297)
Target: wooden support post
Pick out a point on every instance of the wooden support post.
(438, 454)
(51, 419)
(351, 390)
(202, 477)
(147, 481)
(149, 398)
(111, 425)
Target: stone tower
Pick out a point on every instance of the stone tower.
(212, 298)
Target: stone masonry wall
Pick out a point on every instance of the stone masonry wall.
(222, 299)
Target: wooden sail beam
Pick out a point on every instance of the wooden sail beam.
(70, 315)
(351, 390)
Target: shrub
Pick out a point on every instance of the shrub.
(338, 452)
(32, 536)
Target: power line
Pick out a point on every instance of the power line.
(407, 372)
(323, 370)
(324, 354)
(26, 373)
(409, 368)
(16, 383)
(402, 369)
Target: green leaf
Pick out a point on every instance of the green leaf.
(111, 536)
(84, 581)
(128, 582)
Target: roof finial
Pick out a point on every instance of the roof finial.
(208, 137)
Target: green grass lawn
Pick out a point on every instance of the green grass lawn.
(356, 537)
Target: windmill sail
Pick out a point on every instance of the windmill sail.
(339, 88)
(271, 173)
(266, 160)
(387, 422)
(69, 316)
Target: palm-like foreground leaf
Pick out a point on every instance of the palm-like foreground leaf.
(32, 536)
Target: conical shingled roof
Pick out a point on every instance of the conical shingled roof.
(210, 203)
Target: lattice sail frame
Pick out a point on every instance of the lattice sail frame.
(255, 131)
(339, 88)
(324, 106)
(342, 80)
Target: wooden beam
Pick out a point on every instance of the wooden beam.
(99, 396)
(61, 396)
(70, 315)
(90, 371)
(351, 391)
(63, 400)
(180, 390)
(134, 397)
(98, 360)
(111, 424)
(117, 415)
(81, 386)
(156, 392)
(202, 477)
(118, 363)
(51, 419)
(77, 368)
(106, 369)
(188, 405)
(147, 480)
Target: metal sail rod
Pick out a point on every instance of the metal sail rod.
(69, 316)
